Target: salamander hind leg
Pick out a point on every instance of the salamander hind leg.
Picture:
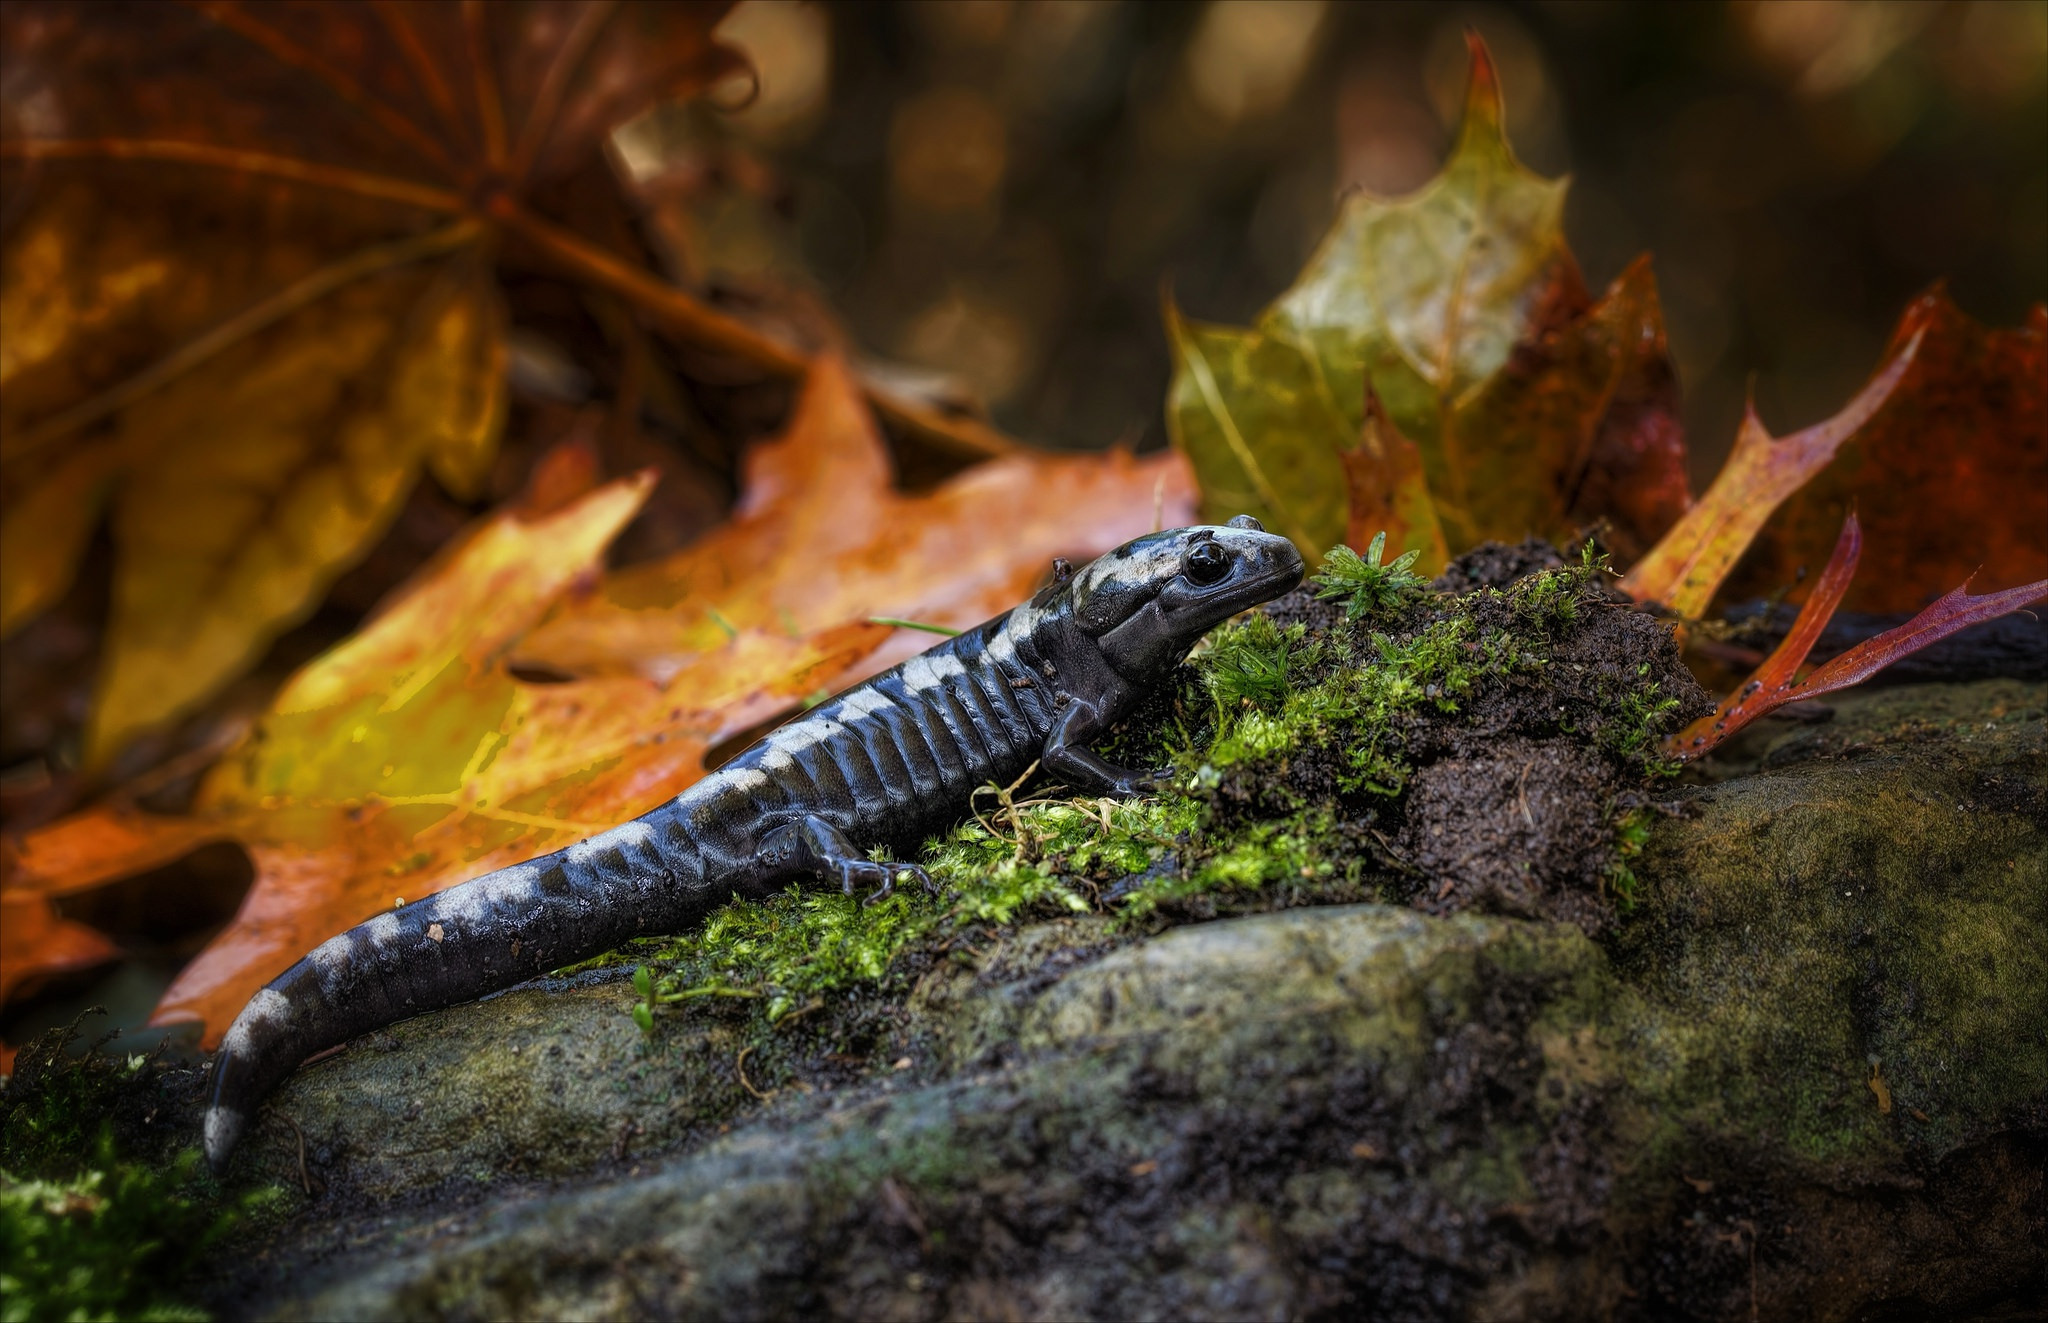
(813, 847)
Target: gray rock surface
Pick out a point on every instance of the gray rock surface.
(1808, 1077)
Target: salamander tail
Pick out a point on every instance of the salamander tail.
(457, 945)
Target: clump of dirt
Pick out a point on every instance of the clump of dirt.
(1490, 734)
(1497, 564)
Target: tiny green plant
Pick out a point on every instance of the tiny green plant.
(1367, 587)
(643, 1009)
(94, 1224)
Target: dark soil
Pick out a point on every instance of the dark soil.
(1497, 564)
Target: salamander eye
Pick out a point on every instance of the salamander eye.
(1207, 563)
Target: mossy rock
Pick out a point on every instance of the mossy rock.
(1807, 1076)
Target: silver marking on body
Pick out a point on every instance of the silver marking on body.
(928, 671)
(332, 956)
(750, 779)
(800, 735)
(267, 1010)
(1153, 566)
(865, 703)
(471, 903)
(622, 838)
(1002, 648)
(1024, 620)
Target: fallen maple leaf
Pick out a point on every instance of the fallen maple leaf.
(1685, 569)
(35, 943)
(412, 757)
(1534, 409)
(821, 537)
(1773, 685)
(1949, 474)
(248, 289)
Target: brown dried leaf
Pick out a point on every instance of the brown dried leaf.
(1950, 475)
(1685, 569)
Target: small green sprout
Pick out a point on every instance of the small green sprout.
(1367, 587)
(643, 1010)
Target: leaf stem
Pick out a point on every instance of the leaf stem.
(424, 71)
(547, 102)
(360, 182)
(490, 107)
(358, 265)
(286, 51)
(685, 316)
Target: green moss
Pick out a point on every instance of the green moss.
(1303, 854)
(1643, 717)
(1255, 663)
(111, 1242)
(99, 1218)
(1347, 692)
(1631, 834)
(1035, 858)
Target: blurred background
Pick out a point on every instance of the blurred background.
(999, 191)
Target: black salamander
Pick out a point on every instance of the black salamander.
(887, 763)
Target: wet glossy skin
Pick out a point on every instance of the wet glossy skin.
(887, 763)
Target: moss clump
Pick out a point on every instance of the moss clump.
(105, 1243)
(1281, 691)
(1035, 858)
(1631, 836)
(105, 1206)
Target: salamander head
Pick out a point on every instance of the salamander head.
(1150, 600)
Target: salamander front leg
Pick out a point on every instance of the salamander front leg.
(1067, 757)
(813, 847)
